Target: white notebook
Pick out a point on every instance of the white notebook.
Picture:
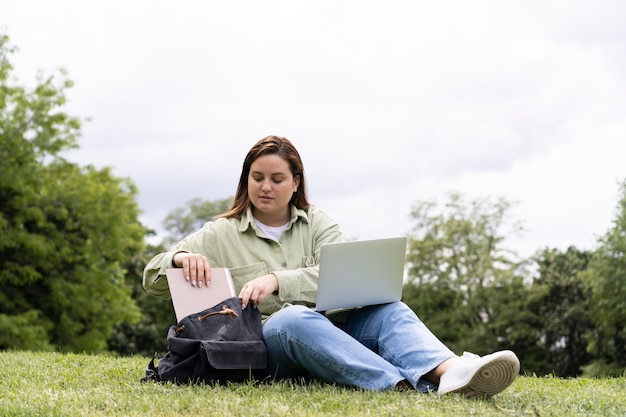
(189, 300)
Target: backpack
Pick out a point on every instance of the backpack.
(218, 345)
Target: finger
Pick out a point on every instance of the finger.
(203, 271)
(200, 280)
(245, 294)
(254, 298)
(193, 273)
(184, 261)
(207, 271)
(260, 297)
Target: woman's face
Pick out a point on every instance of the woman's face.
(270, 187)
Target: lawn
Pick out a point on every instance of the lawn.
(54, 384)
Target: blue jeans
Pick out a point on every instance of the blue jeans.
(375, 348)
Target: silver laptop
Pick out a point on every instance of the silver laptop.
(361, 273)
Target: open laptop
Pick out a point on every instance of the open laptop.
(361, 273)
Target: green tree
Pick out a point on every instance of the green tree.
(463, 283)
(512, 324)
(66, 230)
(560, 301)
(183, 221)
(146, 336)
(607, 282)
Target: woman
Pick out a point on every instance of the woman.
(270, 240)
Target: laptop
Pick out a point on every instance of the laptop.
(189, 300)
(361, 273)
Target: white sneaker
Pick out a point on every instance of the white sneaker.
(480, 377)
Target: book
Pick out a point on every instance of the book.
(188, 299)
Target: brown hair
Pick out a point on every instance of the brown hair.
(270, 145)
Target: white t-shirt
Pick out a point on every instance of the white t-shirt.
(273, 232)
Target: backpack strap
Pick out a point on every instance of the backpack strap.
(152, 372)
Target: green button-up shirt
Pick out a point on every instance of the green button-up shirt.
(239, 245)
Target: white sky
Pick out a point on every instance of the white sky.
(388, 102)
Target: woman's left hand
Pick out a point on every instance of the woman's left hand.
(256, 290)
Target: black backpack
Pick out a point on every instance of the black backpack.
(217, 345)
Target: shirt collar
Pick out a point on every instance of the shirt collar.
(248, 219)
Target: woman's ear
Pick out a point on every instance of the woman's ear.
(296, 183)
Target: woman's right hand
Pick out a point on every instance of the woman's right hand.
(196, 268)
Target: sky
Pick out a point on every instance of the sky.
(388, 102)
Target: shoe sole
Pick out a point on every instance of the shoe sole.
(490, 379)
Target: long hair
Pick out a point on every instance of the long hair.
(270, 145)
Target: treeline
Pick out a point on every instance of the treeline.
(72, 252)
(65, 231)
(562, 312)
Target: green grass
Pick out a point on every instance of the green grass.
(53, 384)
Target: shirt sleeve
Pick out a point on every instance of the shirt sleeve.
(154, 279)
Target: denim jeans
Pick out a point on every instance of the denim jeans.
(375, 348)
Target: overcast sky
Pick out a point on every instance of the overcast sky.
(388, 102)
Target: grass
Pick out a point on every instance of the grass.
(54, 384)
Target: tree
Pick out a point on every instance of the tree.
(183, 221)
(66, 230)
(607, 282)
(560, 301)
(146, 336)
(463, 282)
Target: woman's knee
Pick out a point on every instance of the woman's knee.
(292, 319)
(395, 308)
